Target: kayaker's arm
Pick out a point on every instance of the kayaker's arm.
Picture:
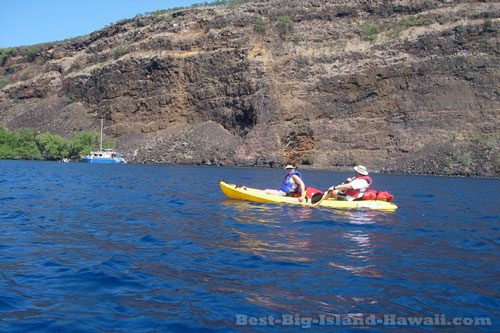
(341, 187)
(299, 181)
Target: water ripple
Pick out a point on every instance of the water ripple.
(139, 248)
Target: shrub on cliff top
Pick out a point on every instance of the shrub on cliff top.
(32, 53)
(297, 38)
(371, 31)
(237, 2)
(284, 25)
(4, 81)
(120, 51)
(416, 21)
(260, 26)
(4, 54)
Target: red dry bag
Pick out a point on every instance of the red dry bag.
(377, 195)
(384, 196)
(310, 191)
(370, 195)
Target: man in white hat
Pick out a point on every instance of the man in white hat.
(352, 188)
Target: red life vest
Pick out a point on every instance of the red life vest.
(355, 193)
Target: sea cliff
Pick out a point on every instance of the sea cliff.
(399, 86)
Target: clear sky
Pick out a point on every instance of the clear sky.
(28, 22)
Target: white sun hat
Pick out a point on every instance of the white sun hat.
(361, 170)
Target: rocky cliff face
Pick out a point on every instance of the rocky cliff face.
(400, 86)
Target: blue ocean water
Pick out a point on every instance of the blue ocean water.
(152, 248)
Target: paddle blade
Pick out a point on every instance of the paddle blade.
(316, 197)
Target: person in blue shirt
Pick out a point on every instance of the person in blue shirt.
(292, 185)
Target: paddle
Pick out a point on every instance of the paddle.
(317, 198)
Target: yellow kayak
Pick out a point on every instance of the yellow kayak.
(251, 194)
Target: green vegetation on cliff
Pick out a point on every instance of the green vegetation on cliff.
(27, 144)
(19, 144)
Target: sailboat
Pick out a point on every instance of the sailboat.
(103, 155)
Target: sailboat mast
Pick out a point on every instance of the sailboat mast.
(100, 144)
